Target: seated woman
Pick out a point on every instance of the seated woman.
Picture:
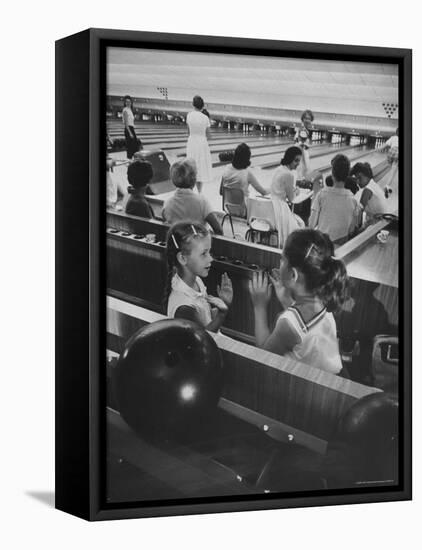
(139, 174)
(238, 175)
(185, 204)
(371, 198)
(283, 189)
(335, 210)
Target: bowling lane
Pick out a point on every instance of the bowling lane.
(229, 142)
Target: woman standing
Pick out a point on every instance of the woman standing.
(197, 147)
(283, 189)
(129, 120)
(304, 141)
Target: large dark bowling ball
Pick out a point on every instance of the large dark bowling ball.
(169, 379)
(372, 422)
(365, 448)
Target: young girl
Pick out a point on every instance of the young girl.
(310, 284)
(304, 141)
(139, 174)
(188, 259)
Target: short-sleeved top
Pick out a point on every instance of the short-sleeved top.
(318, 346)
(283, 183)
(393, 141)
(128, 117)
(393, 153)
(303, 136)
(238, 179)
(198, 123)
(337, 212)
(139, 206)
(377, 204)
(186, 205)
(183, 295)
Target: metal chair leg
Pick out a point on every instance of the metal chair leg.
(231, 223)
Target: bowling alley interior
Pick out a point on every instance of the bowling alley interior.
(252, 251)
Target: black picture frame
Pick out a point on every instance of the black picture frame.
(80, 270)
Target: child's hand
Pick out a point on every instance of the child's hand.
(260, 289)
(217, 303)
(282, 293)
(225, 290)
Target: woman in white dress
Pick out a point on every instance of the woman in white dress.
(283, 189)
(197, 147)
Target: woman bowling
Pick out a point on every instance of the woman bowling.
(129, 120)
(304, 141)
(197, 147)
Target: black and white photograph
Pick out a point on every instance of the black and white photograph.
(200, 351)
(252, 276)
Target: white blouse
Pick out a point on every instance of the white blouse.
(184, 295)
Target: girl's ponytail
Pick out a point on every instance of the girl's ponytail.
(335, 288)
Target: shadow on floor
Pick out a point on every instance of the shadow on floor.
(45, 497)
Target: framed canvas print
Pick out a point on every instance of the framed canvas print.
(233, 274)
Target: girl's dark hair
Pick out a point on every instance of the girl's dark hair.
(206, 113)
(290, 154)
(198, 102)
(351, 184)
(309, 113)
(139, 173)
(340, 167)
(241, 157)
(312, 253)
(362, 168)
(179, 239)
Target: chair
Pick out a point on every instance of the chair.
(233, 205)
(385, 363)
(261, 221)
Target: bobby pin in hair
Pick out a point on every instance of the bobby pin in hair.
(194, 230)
(175, 242)
(311, 246)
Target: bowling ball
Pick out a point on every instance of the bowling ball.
(226, 156)
(365, 448)
(372, 422)
(168, 380)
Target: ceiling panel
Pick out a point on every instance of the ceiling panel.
(254, 80)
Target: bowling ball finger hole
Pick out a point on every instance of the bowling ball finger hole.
(172, 358)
